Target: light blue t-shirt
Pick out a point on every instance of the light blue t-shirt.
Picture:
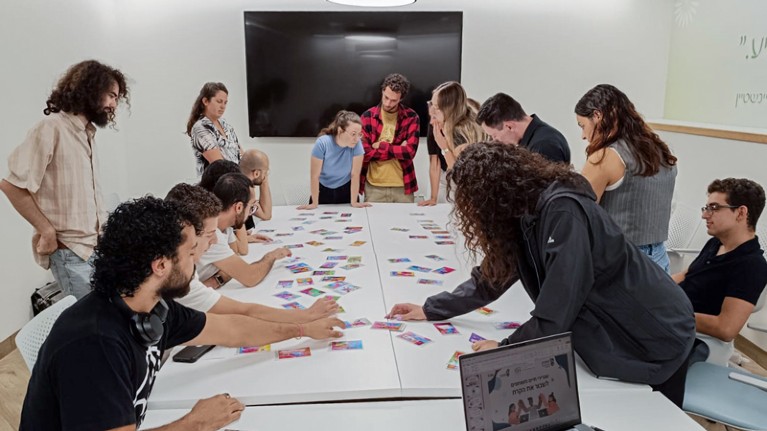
(336, 161)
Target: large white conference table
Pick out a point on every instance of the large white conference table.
(387, 366)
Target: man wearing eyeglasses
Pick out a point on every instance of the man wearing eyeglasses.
(220, 263)
(725, 280)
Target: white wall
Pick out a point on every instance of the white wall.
(546, 53)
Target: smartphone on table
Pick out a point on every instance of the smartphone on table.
(191, 353)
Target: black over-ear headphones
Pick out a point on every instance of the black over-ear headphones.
(147, 328)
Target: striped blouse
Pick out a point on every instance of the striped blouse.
(205, 137)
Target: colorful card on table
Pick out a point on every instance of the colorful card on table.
(337, 257)
(507, 325)
(287, 296)
(319, 231)
(333, 278)
(443, 237)
(435, 257)
(484, 310)
(351, 266)
(345, 288)
(443, 242)
(315, 243)
(330, 212)
(254, 349)
(294, 353)
(346, 345)
(266, 230)
(309, 222)
(418, 237)
(334, 298)
(346, 215)
(297, 219)
(326, 272)
(352, 229)
(326, 217)
(328, 265)
(354, 259)
(419, 268)
(293, 306)
(305, 214)
(299, 268)
(333, 238)
(283, 234)
(291, 260)
(402, 274)
(399, 259)
(360, 322)
(412, 337)
(476, 337)
(294, 246)
(400, 229)
(446, 328)
(391, 326)
(428, 282)
(417, 214)
(312, 292)
(331, 250)
(343, 220)
(358, 243)
(452, 364)
(297, 228)
(444, 270)
(440, 232)
(328, 232)
(285, 284)
(305, 281)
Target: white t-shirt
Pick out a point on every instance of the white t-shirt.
(216, 253)
(200, 297)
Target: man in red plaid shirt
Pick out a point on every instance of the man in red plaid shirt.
(390, 138)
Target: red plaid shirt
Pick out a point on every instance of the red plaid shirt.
(403, 148)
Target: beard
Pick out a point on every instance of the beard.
(100, 117)
(239, 221)
(176, 286)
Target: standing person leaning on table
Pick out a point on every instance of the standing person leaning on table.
(97, 367)
(538, 222)
(630, 169)
(453, 124)
(336, 163)
(211, 136)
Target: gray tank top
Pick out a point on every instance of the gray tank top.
(641, 206)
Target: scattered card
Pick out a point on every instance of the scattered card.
(400, 229)
(328, 265)
(283, 234)
(254, 349)
(419, 268)
(444, 242)
(337, 257)
(312, 292)
(346, 215)
(399, 259)
(285, 284)
(331, 250)
(360, 322)
(333, 278)
(484, 310)
(331, 238)
(402, 274)
(354, 259)
(452, 364)
(315, 243)
(446, 328)
(412, 337)
(507, 325)
(391, 326)
(428, 282)
(443, 237)
(476, 337)
(294, 353)
(418, 237)
(351, 266)
(330, 272)
(444, 270)
(293, 306)
(358, 243)
(305, 281)
(297, 228)
(435, 257)
(440, 232)
(346, 345)
(287, 296)
(294, 246)
(345, 288)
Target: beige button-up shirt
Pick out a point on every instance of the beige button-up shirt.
(58, 165)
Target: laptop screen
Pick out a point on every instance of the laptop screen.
(521, 387)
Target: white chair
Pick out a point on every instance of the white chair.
(683, 226)
(32, 336)
(295, 194)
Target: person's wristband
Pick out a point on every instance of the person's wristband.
(300, 330)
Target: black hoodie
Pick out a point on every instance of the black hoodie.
(629, 319)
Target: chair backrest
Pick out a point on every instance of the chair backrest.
(32, 336)
(683, 225)
(295, 194)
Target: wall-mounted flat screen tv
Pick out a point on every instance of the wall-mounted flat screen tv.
(303, 67)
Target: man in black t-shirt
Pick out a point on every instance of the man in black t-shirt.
(505, 121)
(725, 280)
(97, 367)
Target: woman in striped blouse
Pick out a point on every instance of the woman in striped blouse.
(211, 136)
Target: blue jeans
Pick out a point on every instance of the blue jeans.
(657, 253)
(71, 272)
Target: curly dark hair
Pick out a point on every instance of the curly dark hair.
(742, 192)
(398, 83)
(82, 88)
(136, 233)
(216, 170)
(195, 204)
(620, 120)
(493, 185)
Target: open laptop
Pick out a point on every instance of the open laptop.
(522, 387)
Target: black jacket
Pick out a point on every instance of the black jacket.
(629, 319)
(543, 139)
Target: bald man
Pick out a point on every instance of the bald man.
(255, 165)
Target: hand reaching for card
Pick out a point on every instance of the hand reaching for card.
(323, 328)
(214, 412)
(321, 308)
(406, 312)
(258, 238)
(484, 345)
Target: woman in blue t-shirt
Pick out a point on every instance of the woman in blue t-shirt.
(336, 163)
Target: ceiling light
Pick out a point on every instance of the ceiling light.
(373, 3)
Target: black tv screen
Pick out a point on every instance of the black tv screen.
(303, 67)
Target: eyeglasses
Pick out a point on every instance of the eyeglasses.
(711, 208)
(353, 134)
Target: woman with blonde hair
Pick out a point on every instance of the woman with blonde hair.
(453, 124)
(336, 163)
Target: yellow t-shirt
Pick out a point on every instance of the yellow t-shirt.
(387, 173)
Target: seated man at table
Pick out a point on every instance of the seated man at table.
(725, 280)
(255, 165)
(220, 263)
(544, 227)
(97, 367)
(202, 208)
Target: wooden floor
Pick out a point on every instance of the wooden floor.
(14, 377)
